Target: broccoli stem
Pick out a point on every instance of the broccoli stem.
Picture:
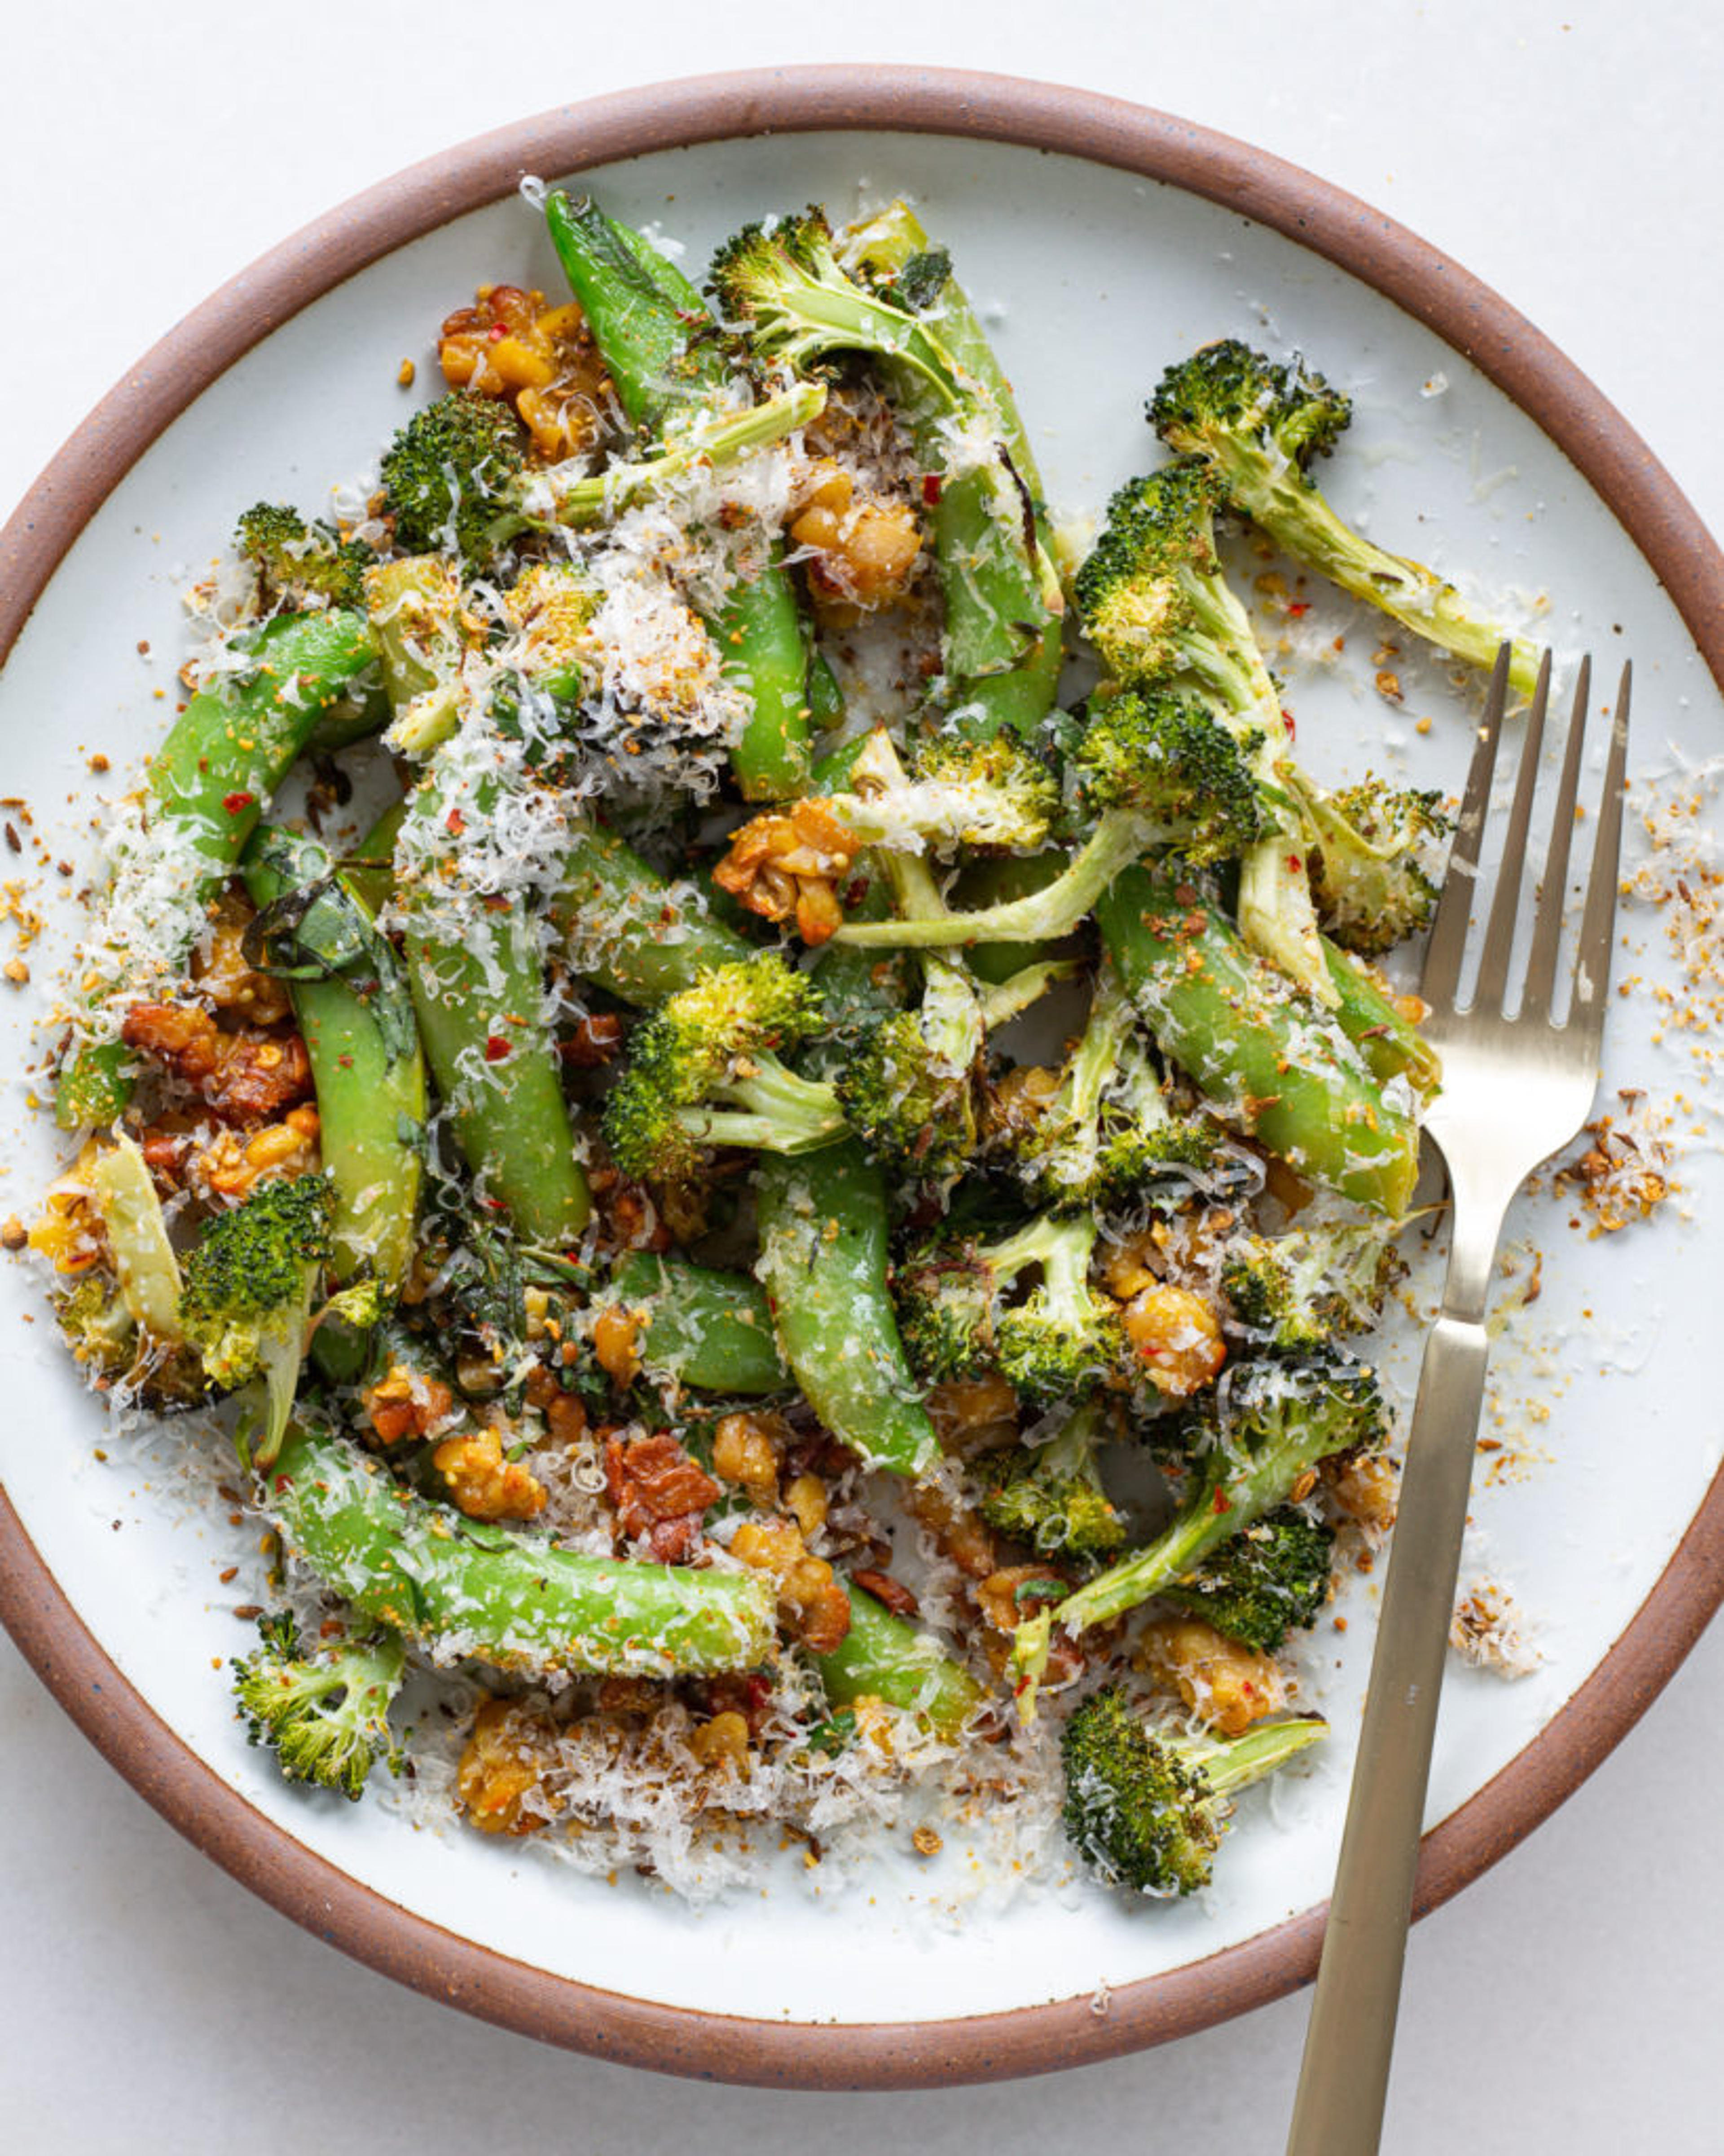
(823, 1262)
(1253, 1756)
(1119, 837)
(213, 779)
(515, 1602)
(357, 1019)
(703, 1328)
(775, 1109)
(1268, 1060)
(1301, 523)
(886, 1657)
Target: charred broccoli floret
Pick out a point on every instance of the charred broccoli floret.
(1260, 425)
(908, 1084)
(1302, 1290)
(703, 1071)
(1158, 607)
(301, 564)
(1057, 1341)
(452, 473)
(1147, 1811)
(1106, 1134)
(1154, 772)
(1269, 1581)
(325, 1716)
(1368, 875)
(1051, 1495)
(988, 794)
(1267, 1425)
(250, 1284)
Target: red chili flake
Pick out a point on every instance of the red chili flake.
(283, 1483)
(495, 1048)
(1292, 723)
(454, 822)
(931, 485)
(496, 332)
(1221, 1502)
(1294, 864)
(1299, 607)
(234, 803)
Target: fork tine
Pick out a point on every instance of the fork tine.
(1592, 956)
(1442, 955)
(1505, 905)
(1547, 926)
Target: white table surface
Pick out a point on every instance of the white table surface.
(1572, 156)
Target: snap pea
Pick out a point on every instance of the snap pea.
(627, 931)
(886, 1657)
(1271, 1061)
(665, 356)
(478, 1001)
(515, 1602)
(353, 1008)
(1002, 645)
(213, 779)
(1368, 1016)
(702, 1326)
(823, 1262)
(477, 995)
(369, 870)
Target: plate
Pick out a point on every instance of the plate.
(1100, 240)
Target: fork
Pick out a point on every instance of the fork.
(1516, 1089)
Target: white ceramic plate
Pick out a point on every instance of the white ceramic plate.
(1090, 278)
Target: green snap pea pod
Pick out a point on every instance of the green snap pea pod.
(515, 1602)
(706, 1328)
(477, 1004)
(1002, 650)
(1270, 1059)
(213, 779)
(1393, 1046)
(826, 700)
(478, 994)
(627, 931)
(759, 634)
(886, 1657)
(664, 354)
(823, 1263)
(362, 712)
(352, 1006)
(369, 870)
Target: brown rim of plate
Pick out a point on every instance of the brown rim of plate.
(916, 100)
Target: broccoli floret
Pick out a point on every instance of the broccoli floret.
(301, 564)
(783, 279)
(702, 1070)
(1267, 1425)
(1148, 1811)
(1270, 1580)
(1155, 771)
(1368, 872)
(1261, 426)
(250, 1284)
(1050, 1496)
(994, 794)
(909, 1084)
(1302, 1290)
(1059, 1341)
(1105, 1134)
(327, 1716)
(453, 471)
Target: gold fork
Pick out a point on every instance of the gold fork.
(1516, 1089)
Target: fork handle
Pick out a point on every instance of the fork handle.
(1343, 2080)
